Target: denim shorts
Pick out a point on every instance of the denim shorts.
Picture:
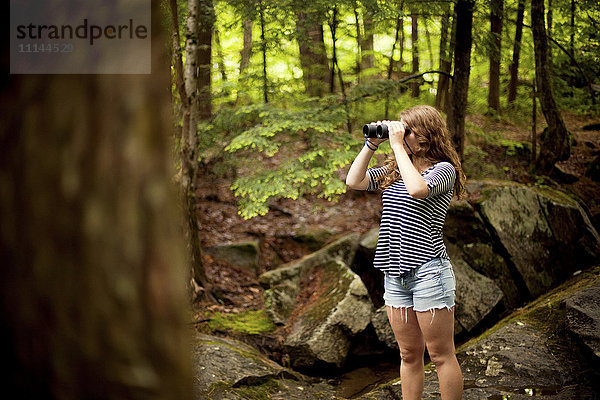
(425, 288)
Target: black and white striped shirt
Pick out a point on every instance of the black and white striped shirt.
(410, 232)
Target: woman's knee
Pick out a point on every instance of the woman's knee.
(441, 356)
(412, 354)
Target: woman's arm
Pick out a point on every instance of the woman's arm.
(357, 178)
(357, 174)
(414, 182)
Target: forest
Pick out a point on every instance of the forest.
(189, 233)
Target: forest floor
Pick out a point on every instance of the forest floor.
(238, 289)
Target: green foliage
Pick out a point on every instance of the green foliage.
(315, 132)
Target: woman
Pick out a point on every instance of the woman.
(418, 180)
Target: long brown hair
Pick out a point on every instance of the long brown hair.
(433, 137)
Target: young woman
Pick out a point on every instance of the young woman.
(418, 180)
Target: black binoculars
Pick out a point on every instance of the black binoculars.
(379, 131)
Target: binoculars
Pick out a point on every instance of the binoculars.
(379, 131)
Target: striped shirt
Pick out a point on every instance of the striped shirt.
(410, 232)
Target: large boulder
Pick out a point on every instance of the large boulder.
(476, 294)
(283, 284)
(335, 308)
(545, 233)
(583, 316)
(240, 254)
(229, 369)
(469, 240)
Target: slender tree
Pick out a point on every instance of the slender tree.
(462, 67)
(445, 59)
(496, 11)
(188, 83)
(514, 66)
(416, 85)
(93, 275)
(263, 48)
(555, 145)
(205, 18)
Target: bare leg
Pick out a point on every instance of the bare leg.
(412, 348)
(438, 330)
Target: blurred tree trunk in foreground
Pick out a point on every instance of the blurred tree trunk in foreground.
(93, 275)
(462, 67)
(555, 144)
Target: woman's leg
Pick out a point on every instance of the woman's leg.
(437, 327)
(412, 348)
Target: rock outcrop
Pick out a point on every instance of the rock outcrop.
(529, 353)
(229, 369)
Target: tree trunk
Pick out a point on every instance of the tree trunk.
(313, 57)
(397, 36)
(366, 45)
(462, 67)
(496, 11)
(220, 58)
(205, 20)
(572, 35)
(429, 48)
(246, 52)
(93, 274)
(555, 146)
(514, 66)
(358, 41)
(416, 84)
(245, 55)
(191, 112)
(401, 58)
(549, 31)
(263, 47)
(445, 62)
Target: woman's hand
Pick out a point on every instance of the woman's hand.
(396, 132)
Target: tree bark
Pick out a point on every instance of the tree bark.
(313, 56)
(391, 63)
(514, 66)
(445, 64)
(191, 106)
(263, 46)
(550, 21)
(205, 20)
(366, 45)
(462, 67)
(555, 145)
(358, 42)
(246, 52)
(93, 273)
(496, 11)
(416, 85)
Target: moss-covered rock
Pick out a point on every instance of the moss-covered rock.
(229, 369)
(583, 317)
(336, 307)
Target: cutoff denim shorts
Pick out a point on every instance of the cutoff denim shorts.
(428, 287)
